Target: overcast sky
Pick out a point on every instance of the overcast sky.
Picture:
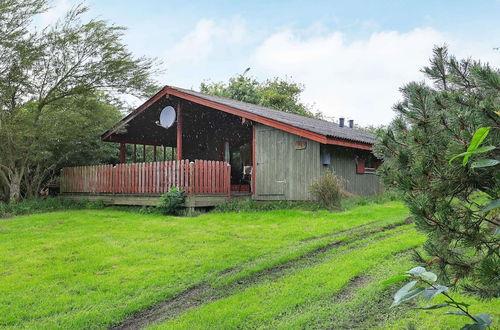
(352, 56)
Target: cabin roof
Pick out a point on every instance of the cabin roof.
(319, 130)
(319, 126)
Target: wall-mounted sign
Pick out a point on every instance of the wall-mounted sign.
(300, 145)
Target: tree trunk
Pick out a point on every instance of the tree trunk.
(15, 186)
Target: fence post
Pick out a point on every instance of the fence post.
(228, 180)
(191, 178)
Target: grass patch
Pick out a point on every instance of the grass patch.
(344, 291)
(284, 269)
(30, 206)
(265, 304)
(93, 268)
(250, 206)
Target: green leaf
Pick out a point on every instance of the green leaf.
(491, 206)
(416, 271)
(432, 292)
(459, 155)
(467, 154)
(484, 163)
(482, 150)
(404, 294)
(434, 306)
(476, 151)
(474, 326)
(405, 288)
(456, 313)
(457, 303)
(478, 137)
(428, 276)
(395, 279)
(483, 320)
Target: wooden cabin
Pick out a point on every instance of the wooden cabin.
(220, 149)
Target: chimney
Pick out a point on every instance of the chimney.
(341, 122)
(351, 123)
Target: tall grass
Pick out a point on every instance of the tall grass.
(249, 205)
(29, 206)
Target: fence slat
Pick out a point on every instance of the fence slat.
(198, 177)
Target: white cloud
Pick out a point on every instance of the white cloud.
(201, 42)
(57, 11)
(358, 79)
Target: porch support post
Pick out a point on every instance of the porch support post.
(254, 159)
(144, 153)
(179, 131)
(154, 153)
(135, 153)
(123, 152)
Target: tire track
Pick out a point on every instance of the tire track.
(205, 293)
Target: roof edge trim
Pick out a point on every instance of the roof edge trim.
(167, 90)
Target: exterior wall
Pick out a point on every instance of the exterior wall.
(282, 171)
(343, 163)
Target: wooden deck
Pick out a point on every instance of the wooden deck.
(192, 201)
(207, 183)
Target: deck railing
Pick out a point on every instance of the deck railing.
(198, 177)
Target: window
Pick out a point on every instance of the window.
(366, 163)
(370, 163)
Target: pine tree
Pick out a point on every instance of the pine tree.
(433, 124)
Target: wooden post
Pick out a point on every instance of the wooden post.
(254, 159)
(154, 153)
(179, 131)
(135, 153)
(228, 180)
(144, 153)
(123, 152)
(164, 153)
(172, 153)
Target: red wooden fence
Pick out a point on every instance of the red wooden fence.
(198, 177)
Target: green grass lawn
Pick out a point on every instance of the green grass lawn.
(276, 269)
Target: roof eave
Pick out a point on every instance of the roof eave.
(105, 136)
(167, 90)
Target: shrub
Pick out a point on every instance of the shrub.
(327, 191)
(173, 201)
(423, 285)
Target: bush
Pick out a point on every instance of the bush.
(327, 191)
(173, 201)
(28, 206)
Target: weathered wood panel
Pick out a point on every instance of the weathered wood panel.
(200, 176)
(343, 163)
(284, 169)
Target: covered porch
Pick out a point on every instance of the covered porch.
(207, 183)
(206, 152)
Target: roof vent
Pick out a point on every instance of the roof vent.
(351, 123)
(341, 122)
